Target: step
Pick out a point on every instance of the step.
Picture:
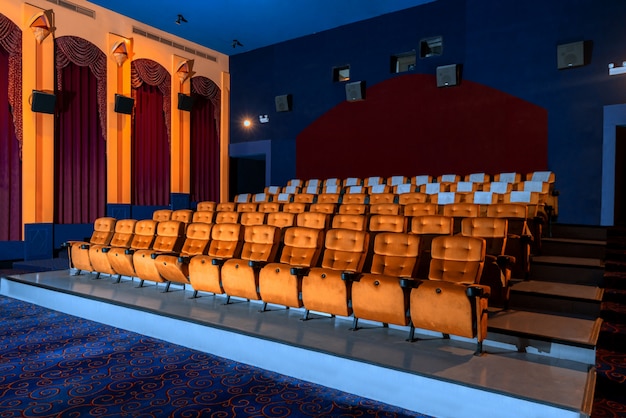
(573, 270)
(584, 232)
(555, 336)
(573, 247)
(557, 298)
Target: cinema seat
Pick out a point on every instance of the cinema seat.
(268, 207)
(387, 223)
(316, 220)
(281, 219)
(281, 283)
(497, 268)
(349, 221)
(404, 188)
(354, 194)
(519, 238)
(420, 209)
(252, 218)
(445, 198)
(381, 193)
(433, 188)
(282, 198)
(161, 215)
(78, 251)
(368, 182)
(413, 197)
(479, 178)
(323, 289)
(206, 206)
(240, 276)
(261, 197)
(353, 208)
(329, 194)
(121, 259)
(169, 239)
(508, 177)
(182, 215)
(421, 179)
(305, 197)
(174, 267)
(272, 190)
(378, 295)
(326, 207)
(204, 270)
(500, 189)
(291, 190)
(428, 227)
(203, 216)
(352, 181)
(242, 198)
(247, 207)
(123, 236)
(227, 217)
(451, 301)
(396, 180)
(459, 211)
(295, 207)
(385, 209)
(226, 207)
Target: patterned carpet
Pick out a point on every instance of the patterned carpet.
(57, 365)
(610, 395)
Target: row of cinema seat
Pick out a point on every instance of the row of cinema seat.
(382, 267)
(536, 188)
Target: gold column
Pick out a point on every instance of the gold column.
(181, 126)
(224, 137)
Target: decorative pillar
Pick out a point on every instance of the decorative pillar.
(224, 137)
(181, 134)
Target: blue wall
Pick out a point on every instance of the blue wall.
(506, 45)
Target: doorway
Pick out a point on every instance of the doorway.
(619, 211)
(247, 175)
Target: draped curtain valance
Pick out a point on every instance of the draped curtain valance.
(154, 74)
(85, 54)
(11, 41)
(206, 87)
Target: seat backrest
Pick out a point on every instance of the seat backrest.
(281, 219)
(311, 189)
(315, 220)
(350, 198)
(448, 178)
(145, 232)
(412, 197)
(507, 210)
(203, 216)
(353, 208)
(252, 218)
(477, 178)
(445, 198)
(484, 198)
(294, 207)
(396, 180)
(242, 198)
(385, 208)
(197, 238)
(272, 190)
(304, 197)
(206, 206)
(316, 183)
(295, 183)
(103, 229)
(334, 181)
(227, 217)
(457, 259)
(461, 210)
(326, 207)
(432, 224)
(420, 209)
(510, 177)
(352, 181)
(247, 207)
(260, 243)
(268, 207)
(421, 179)
(464, 187)
(378, 198)
(431, 188)
(395, 254)
(160, 215)
(330, 197)
(378, 188)
(226, 207)
(226, 240)
(387, 223)
(493, 230)
(182, 215)
(349, 221)
(291, 189)
(542, 176)
(403, 188)
(169, 237)
(261, 197)
(302, 246)
(124, 230)
(283, 197)
(345, 249)
(373, 180)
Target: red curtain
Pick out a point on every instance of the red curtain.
(10, 164)
(80, 162)
(205, 146)
(151, 149)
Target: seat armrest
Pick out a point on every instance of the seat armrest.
(350, 276)
(299, 271)
(129, 251)
(84, 246)
(65, 245)
(106, 249)
(477, 291)
(408, 283)
(256, 264)
(217, 261)
(505, 261)
(184, 259)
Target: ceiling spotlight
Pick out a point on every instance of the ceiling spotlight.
(236, 43)
(181, 19)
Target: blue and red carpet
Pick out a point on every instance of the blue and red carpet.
(57, 365)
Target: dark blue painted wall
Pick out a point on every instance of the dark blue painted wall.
(507, 45)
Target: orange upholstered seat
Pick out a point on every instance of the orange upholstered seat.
(295, 207)
(387, 223)
(281, 219)
(323, 289)
(385, 209)
(428, 227)
(206, 206)
(203, 216)
(240, 276)
(182, 215)
(451, 301)
(174, 267)
(121, 259)
(459, 211)
(204, 270)
(161, 215)
(420, 209)
(269, 207)
(326, 207)
(316, 220)
(281, 283)
(412, 197)
(519, 238)
(247, 207)
(78, 251)
(353, 208)
(252, 218)
(122, 237)
(227, 217)
(169, 239)
(226, 207)
(349, 221)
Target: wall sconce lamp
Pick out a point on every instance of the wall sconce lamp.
(119, 52)
(184, 70)
(613, 70)
(41, 25)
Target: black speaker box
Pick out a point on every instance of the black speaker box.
(448, 75)
(574, 54)
(43, 102)
(185, 102)
(355, 91)
(124, 104)
(284, 103)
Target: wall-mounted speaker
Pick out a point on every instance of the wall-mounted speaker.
(43, 102)
(284, 103)
(124, 104)
(448, 75)
(355, 91)
(185, 102)
(574, 54)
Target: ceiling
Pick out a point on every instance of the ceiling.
(254, 23)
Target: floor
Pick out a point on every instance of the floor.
(435, 376)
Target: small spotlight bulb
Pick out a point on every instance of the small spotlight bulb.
(247, 123)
